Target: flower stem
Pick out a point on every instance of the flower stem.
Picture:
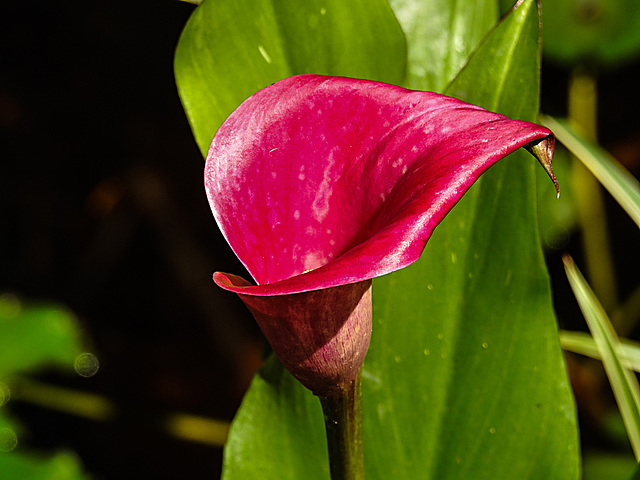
(343, 424)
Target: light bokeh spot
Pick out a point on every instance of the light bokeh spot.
(86, 365)
(8, 439)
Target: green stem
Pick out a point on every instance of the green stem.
(588, 193)
(343, 424)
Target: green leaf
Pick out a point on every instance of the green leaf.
(623, 186)
(441, 35)
(623, 383)
(464, 377)
(35, 336)
(230, 49)
(579, 342)
(486, 326)
(508, 53)
(61, 466)
(32, 337)
(278, 432)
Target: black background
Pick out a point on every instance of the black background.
(102, 209)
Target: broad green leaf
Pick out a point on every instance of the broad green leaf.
(229, 49)
(278, 432)
(508, 54)
(583, 343)
(622, 186)
(623, 383)
(485, 316)
(464, 377)
(441, 35)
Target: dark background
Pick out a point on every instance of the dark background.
(102, 208)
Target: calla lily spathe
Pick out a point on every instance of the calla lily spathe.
(320, 184)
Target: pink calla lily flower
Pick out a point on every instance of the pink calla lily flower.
(320, 184)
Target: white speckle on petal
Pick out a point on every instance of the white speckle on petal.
(313, 260)
(301, 176)
(320, 204)
(296, 214)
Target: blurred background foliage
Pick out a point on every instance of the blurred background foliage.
(33, 338)
(594, 45)
(104, 215)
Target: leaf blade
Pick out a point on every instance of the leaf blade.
(229, 50)
(472, 266)
(441, 35)
(623, 383)
(582, 343)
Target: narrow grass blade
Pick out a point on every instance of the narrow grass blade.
(623, 383)
(583, 344)
(623, 186)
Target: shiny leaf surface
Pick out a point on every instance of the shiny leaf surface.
(231, 49)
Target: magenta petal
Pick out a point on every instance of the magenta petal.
(321, 181)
